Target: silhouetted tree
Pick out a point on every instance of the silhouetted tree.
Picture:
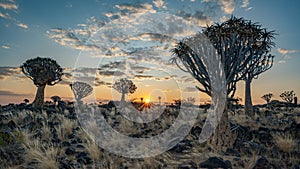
(288, 97)
(42, 71)
(233, 43)
(26, 101)
(81, 90)
(55, 99)
(159, 99)
(253, 45)
(124, 86)
(267, 98)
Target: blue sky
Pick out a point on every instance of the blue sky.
(64, 30)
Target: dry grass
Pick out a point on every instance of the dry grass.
(41, 155)
(94, 151)
(285, 143)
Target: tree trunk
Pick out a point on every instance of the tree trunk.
(39, 97)
(248, 101)
(123, 97)
(223, 137)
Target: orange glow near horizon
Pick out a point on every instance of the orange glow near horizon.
(147, 100)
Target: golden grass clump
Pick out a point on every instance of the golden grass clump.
(285, 143)
(41, 155)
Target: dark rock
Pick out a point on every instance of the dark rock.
(190, 165)
(70, 151)
(71, 136)
(81, 154)
(80, 146)
(296, 166)
(11, 124)
(66, 144)
(215, 162)
(232, 152)
(182, 147)
(74, 141)
(262, 163)
(79, 140)
(196, 131)
(85, 160)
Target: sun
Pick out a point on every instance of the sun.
(147, 101)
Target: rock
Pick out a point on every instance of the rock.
(84, 160)
(182, 147)
(264, 136)
(232, 152)
(296, 166)
(196, 131)
(190, 165)
(80, 146)
(11, 124)
(70, 151)
(74, 141)
(71, 136)
(66, 144)
(262, 163)
(215, 162)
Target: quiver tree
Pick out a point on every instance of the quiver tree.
(267, 98)
(124, 86)
(42, 71)
(55, 99)
(81, 90)
(231, 47)
(288, 97)
(250, 43)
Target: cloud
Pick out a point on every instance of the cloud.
(190, 89)
(9, 5)
(285, 54)
(136, 8)
(22, 25)
(199, 17)
(6, 72)
(75, 39)
(159, 3)
(10, 93)
(143, 77)
(228, 6)
(245, 4)
(5, 15)
(5, 46)
(281, 61)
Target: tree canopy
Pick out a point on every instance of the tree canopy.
(42, 71)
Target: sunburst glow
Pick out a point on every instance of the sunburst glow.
(147, 100)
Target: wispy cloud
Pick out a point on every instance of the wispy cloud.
(5, 46)
(136, 8)
(285, 54)
(5, 15)
(9, 5)
(22, 25)
(199, 17)
(159, 3)
(10, 93)
(6, 72)
(77, 39)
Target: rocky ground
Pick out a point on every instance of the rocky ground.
(52, 137)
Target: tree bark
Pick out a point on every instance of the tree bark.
(123, 97)
(248, 100)
(39, 97)
(223, 137)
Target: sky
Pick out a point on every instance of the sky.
(99, 41)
